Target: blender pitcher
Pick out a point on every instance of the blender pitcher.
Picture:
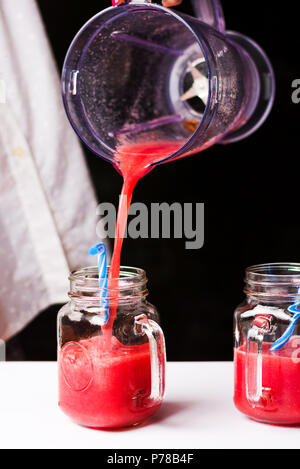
(139, 74)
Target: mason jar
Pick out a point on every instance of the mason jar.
(267, 345)
(110, 377)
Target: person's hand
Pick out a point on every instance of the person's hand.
(166, 3)
(171, 3)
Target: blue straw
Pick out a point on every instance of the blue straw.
(100, 251)
(280, 343)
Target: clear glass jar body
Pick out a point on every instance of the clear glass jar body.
(110, 378)
(267, 345)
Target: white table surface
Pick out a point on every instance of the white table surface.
(198, 413)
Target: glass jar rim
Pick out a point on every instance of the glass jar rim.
(279, 280)
(85, 282)
(278, 272)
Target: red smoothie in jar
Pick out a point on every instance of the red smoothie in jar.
(105, 388)
(281, 382)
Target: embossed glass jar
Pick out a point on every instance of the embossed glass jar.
(114, 377)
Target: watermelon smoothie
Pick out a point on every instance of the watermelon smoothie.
(105, 389)
(281, 382)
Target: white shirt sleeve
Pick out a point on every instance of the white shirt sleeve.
(47, 204)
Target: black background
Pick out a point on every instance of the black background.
(250, 190)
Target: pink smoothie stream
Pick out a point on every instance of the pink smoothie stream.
(134, 162)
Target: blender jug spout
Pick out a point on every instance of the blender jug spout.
(211, 13)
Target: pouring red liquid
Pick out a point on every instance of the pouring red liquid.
(134, 162)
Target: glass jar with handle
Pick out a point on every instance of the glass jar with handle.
(267, 345)
(110, 378)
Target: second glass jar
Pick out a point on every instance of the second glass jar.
(267, 345)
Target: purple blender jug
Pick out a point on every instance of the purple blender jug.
(140, 73)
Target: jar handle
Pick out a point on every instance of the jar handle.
(257, 395)
(145, 326)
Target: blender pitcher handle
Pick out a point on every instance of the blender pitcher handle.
(144, 326)
(256, 394)
(210, 12)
